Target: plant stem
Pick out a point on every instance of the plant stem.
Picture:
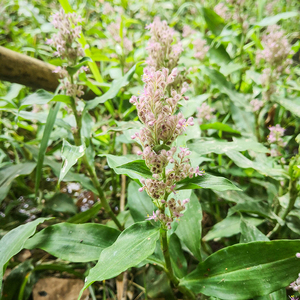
(91, 169)
(293, 196)
(169, 270)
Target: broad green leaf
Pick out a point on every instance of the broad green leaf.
(227, 69)
(14, 280)
(8, 174)
(274, 19)
(229, 227)
(256, 207)
(44, 144)
(13, 242)
(278, 295)
(249, 232)
(115, 161)
(62, 203)
(226, 87)
(205, 146)
(219, 126)
(13, 92)
(243, 162)
(84, 61)
(85, 216)
(178, 259)
(133, 245)
(214, 22)
(55, 166)
(244, 120)
(140, 204)
(292, 105)
(137, 166)
(113, 91)
(74, 242)
(189, 229)
(244, 271)
(70, 155)
(206, 181)
(43, 97)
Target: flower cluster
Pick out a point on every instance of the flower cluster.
(114, 30)
(157, 107)
(205, 113)
(65, 41)
(222, 10)
(236, 12)
(276, 134)
(68, 48)
(200, 48)
(162, 50)
(256, 104)
(275, 54)
(176, 208)
(296, 284)
(187, 31)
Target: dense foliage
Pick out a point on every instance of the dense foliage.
(167, 160)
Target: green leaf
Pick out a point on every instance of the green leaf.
(84, 61)
(55, 166)
(229, 227)
(278, 295)
(219, 126)
(14, 280)
(133, 245)
(44, 144)
(13, 242)
(205, 146)
(137, 166)
(85, 216)
(244, 271)
(8, 174)
(178, 260)
(115, 161)
(74, 242)
(189, 229)
(226, 87)
(249, 232)
(256, 207)
(39, 97)
(43, 97)
(214, 22)
(140, 204)
(274, 19)
(70, 155)
(206, 181)
(292, 105)
(262, 167)
(113, 91)
(62, 203)
(13, 92)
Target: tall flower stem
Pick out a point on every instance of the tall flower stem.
(169, 270)
(91, 169)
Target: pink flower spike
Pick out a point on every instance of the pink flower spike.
(298, 255)
(141, 189)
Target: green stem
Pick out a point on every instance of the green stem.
(293, 196)
(169, 270)
(241, 59)
(91, 169)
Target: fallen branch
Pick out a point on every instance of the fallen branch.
(19, 68)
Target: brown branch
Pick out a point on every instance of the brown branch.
(19, 68)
